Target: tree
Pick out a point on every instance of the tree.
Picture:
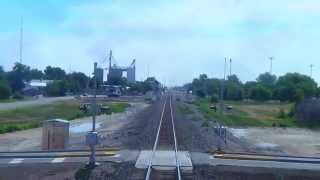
(204, 86)
(247, 88)
(234, 79)
(200, 93)
(188, 86)
(294, 87)
(16, 77)
(2, 74)
(318, 92)
(57, 88)
(233, 91)
(54, 73)
(1, 71)
(119, 81)
(136, 87)
(233, 88)
(268, 80)
(36, 74)
(5, 91)
(213, 86)
(200, 85)
(151, 84)
(260, 93)
(77, 82)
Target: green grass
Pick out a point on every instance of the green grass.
(14, 100)
(32, 117)
(247, 115)
(183, 109)
(7, 100)
(118, 107)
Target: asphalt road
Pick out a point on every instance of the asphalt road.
(103, 155)
(34, 102)
(39, 157)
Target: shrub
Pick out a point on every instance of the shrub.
(214, 99)
(260, 93)
(17, 95)
(57, 88)
(4, 91)
(205, 123)
(282, 114)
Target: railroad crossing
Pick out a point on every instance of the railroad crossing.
(164, 160)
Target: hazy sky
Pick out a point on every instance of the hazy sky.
(177, 39)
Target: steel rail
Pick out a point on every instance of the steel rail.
(156, 142)
(175, 141)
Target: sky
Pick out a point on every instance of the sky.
(175, 40)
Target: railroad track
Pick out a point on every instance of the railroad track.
(165, 138)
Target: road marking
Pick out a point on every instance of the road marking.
(58, 160)
(16, 161)
(109, 153)
(116, 156)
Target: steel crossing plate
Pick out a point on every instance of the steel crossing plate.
(164, 159)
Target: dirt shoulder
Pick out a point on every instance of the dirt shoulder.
(292, 141)
(106, 126)
(195, 133)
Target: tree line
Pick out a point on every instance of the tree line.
(13, 82)
(291, 87)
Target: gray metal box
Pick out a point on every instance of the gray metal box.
(55, 134)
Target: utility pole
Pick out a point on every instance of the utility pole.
(92, 136)
(230, 67)
(222, 87)
(94, 98)
(148, 69)
(219, 148)
(271, 60)
(21, 40)
(311, 70)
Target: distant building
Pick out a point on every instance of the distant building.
(112, 91)
(35, 87)
(116, 72)
(99, 75)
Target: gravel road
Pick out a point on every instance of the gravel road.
(33, 102)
